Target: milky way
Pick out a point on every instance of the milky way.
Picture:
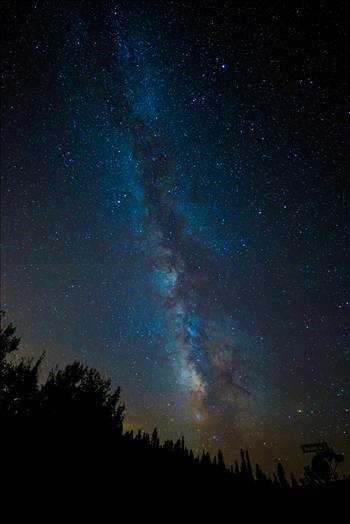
(175, 213)
(213, 369)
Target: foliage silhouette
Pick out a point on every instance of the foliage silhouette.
(70, 427)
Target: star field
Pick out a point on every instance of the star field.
(175, 212)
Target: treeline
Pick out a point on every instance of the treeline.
(180, 457)
(71, 426)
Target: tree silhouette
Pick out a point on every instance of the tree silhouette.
(261, 477)
(155, 439)
(221, 462)
(83, 395)
(18, 381)
(8, 341)
(281, 476)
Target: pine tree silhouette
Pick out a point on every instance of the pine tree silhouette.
(281, 476)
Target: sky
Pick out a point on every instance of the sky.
(175, 212)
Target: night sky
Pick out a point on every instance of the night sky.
(175, 212)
